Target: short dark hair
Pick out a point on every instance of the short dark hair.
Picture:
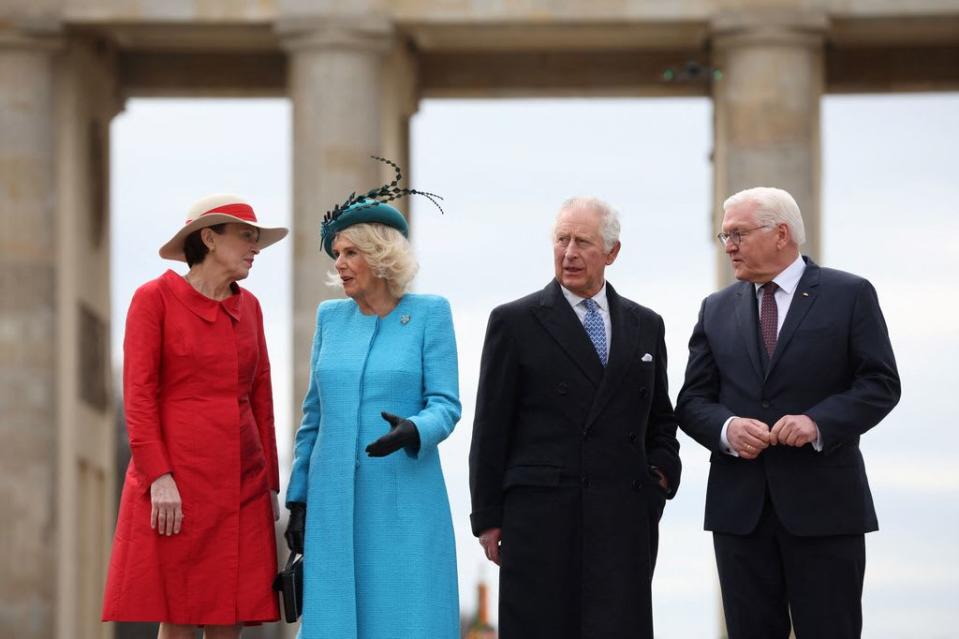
(193, 247)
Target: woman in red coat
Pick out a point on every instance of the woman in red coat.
(194, 543)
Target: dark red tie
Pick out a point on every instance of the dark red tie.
(769, 317)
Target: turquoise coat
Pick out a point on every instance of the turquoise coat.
(379, 555)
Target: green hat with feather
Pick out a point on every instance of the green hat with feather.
(371, 208)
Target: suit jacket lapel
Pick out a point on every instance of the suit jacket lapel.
(560, 321)
(803, 299)
(748, 326)
(622, 351)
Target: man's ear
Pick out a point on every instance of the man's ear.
(783, 235)
(611, 256)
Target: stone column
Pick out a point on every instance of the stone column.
(400, 104)
(766, 101)
(337, 86)
(28, 338)
(86, 102)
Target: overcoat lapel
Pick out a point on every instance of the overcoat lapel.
(803, 299)
(748, 326)
(622, 352)
(560, 321)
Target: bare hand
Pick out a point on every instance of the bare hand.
(276, 505)
(166, 514)
(793, 430)
(663, 482)
(748, 437)
(489, 540)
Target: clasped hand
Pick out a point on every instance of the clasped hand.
(402, 433)
(749, 437)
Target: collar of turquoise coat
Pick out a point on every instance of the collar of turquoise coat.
(204, 307)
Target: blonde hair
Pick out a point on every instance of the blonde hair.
(387, 252)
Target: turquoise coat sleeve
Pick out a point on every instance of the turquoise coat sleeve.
(442, 406)
(306, 434)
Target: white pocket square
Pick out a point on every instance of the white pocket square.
(647, 357)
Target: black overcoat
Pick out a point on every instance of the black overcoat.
(561, 461)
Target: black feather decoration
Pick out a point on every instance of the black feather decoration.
(380, 195)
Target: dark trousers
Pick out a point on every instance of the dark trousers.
(769, 574)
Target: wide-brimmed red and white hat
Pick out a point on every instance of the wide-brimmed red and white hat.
(214, 209)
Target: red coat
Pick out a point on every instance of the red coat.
(198, 401)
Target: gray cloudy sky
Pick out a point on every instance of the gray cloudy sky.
(890, 213)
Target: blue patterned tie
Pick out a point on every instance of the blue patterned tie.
(595, 329)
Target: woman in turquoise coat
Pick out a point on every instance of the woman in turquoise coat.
(368, 504)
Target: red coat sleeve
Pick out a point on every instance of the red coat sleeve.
(142, 352)
(262, 402)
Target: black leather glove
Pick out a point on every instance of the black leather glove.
(296, 526)
(402, 433)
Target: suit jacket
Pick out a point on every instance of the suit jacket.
(560, 460)
(833, 362)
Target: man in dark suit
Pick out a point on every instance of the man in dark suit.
(574, 446)
(787, 369)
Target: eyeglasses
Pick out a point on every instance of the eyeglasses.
(736, 237)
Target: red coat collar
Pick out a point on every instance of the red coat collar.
(204, 307)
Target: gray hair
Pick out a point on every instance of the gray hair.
(608, 218)
(773, 206)
(388, 253)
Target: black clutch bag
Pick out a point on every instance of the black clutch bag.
(289, 585)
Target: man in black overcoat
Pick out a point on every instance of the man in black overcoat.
(574, 449)
(787, 369)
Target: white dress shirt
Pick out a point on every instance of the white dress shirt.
(787, 281)
(580, 309)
